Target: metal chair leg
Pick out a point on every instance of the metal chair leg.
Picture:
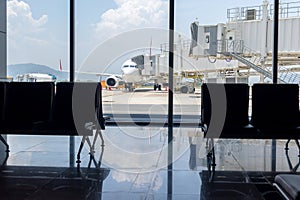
(298, 145)
(211, 159)
(295, 168)
(287, 144)
(92, 149)
(80, 148)
(288, 160)
(5, 143)
(91, 146)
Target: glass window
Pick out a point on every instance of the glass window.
(37, 50)
(121, 41)
(37, 40)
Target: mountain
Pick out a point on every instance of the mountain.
(18, 69)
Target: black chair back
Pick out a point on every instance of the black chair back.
(76, 105)
(230, 102)
(27, 104)
(275, 105)
(2, 102)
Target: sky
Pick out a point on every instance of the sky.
(38, 31)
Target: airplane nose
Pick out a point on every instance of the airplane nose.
(127, 70)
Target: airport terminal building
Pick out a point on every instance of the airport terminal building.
(131, 100)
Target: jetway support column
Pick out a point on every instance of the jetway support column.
(264, 37)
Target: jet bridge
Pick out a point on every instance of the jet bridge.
(247, 38)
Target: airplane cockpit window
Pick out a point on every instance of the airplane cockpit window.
(125, 66)
(132, 66)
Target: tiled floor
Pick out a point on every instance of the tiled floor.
(134, 166)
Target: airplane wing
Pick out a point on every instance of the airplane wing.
(91, 73)
(97, 74)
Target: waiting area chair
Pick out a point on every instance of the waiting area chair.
(48, 108)
(225, 107)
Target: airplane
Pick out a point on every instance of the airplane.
(131, 74)
(35, 77)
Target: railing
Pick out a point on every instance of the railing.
(286, 10)
(230, 46)
(253, 59)
(288, 76)
(244, 13)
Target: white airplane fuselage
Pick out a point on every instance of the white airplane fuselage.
(130, 72)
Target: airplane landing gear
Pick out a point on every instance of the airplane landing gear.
(129, 87)
(157, 87)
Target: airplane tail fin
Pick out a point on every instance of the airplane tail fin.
(60, 65)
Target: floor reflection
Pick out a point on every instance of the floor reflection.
(51, 183)
(134, 166)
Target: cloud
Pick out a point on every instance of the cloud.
(139, 180)
(133, 14)
(28, 37)
(20, 22)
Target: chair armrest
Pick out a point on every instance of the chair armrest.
(288, 185)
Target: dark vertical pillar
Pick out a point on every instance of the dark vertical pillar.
(275, 68)
(72, 40)
(275, 42)
(72, 71)
(170, 102)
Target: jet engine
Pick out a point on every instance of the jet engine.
(112, 81)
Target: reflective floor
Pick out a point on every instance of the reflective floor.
(133, 164)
